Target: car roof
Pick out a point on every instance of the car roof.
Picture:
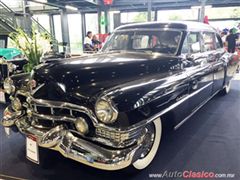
(181, 25)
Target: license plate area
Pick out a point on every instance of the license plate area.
(32, 149)
(2, 97)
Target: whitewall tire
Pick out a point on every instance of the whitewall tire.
(146, 160)
(227, 88)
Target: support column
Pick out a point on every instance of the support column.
(52, 27)
(116, 20)
(83, 19)
(65, 32)
(149, 10)
(26, 22)
(107, 19)
(52, 32)
(155, 15)
(201, 12)
(99, 20)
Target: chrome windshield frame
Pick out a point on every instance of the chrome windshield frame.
(146, 29)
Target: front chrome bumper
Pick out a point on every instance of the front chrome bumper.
(62, 140)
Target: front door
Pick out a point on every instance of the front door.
(199, 71)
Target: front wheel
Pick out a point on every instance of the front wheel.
(150, 144)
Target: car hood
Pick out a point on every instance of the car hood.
(89, 76)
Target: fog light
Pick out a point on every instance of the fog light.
(16, 104)
(81, 125)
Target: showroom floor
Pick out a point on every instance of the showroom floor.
(209, 141)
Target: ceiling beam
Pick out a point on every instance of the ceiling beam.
(48, 4)
(95, 2)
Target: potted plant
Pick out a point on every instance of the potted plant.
(33, 46)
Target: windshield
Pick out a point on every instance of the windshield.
(162, 41)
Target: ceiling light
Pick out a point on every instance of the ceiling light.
(115, 12)
(199, 7)
(71, 8)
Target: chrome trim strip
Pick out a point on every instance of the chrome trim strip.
(131, 128)
(37, 88)
(143, 123)
(151, 29)
(194, 111)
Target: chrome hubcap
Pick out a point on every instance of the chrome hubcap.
(148, 141)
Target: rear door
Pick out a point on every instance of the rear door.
(214, 49)
(199, 71)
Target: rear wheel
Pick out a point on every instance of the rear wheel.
(226, 88)
(150, 144)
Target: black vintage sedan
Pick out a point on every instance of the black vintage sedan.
(106, 110)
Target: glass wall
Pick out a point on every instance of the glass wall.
(129, 17)
(92, 22)
(221, 13)
(75, 33)
(225, 12)
(43, 19)
(15, 5)
(220, 25)
(184, 14)
(58, 30)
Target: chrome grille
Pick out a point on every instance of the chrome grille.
(48, 114)
(118, 136)
(53, 111)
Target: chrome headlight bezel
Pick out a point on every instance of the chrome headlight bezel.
(105, 111)
(8, 86)
(16, 104)
(11, 67)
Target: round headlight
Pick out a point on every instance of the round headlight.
(11, 67)
(81, 125)
(8, 86)
(105, 111)
(16, 104)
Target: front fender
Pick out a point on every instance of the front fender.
(136, 94)
(20, 80)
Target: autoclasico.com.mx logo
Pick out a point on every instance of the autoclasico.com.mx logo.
(191, 174)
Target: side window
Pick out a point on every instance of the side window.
(219, 43)
(121, 41)
(141, 42)
(209, 41)
(192, 43)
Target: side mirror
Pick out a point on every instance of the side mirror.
(189, 57)
(187, 61)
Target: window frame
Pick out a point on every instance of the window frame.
(219, 39)
(188, 45)
(147, 29)
(214, 41)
